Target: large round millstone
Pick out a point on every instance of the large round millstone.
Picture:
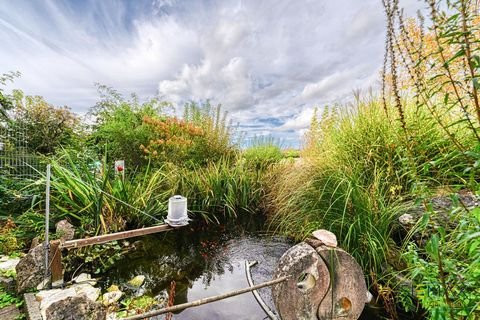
(308, 282)
(346, 296)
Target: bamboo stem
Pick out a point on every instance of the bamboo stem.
(205, 300)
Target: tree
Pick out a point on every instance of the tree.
(119, 128)
(6, 102)
(45, 126)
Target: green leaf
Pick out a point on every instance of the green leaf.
(432, 247)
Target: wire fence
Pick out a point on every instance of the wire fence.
(16, 160)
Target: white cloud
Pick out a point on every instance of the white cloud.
(260, 59)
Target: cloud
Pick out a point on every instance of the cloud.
(259, 59)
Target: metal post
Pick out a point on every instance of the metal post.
(47, 216)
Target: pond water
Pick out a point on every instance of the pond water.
(205, 261)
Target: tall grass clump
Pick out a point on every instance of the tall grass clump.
(219, 191)
(356, 173)
(262, 152)
(92, 196)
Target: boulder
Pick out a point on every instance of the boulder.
(64, 230)
(9, 313)
(31, 270)
(50, 297)
(77, 307)
(406, 220)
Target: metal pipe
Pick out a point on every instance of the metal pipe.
(47, 225)
(259, 299)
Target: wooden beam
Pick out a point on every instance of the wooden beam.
(56, 267)
(78, 243)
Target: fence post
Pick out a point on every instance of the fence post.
(47, 217)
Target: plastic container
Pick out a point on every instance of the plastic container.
(177, 211)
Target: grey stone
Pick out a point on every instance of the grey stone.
(8, 264)
(111, 297)
(32, 307)
(49, 297)
(85, 278)
(406, 220)
(77, 307)
(9, 313)
(7, 283)
(65, 230)
(35, 242)
(326, 237)
(136, 282)
(31, 270)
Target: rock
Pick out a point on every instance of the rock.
(49, 297)
(9, 313)
(136, 282)
(406, 220)
(31, 307)
(113, 288)
(31, 270)
(7, 283)
(112, 316)
(90, 291)
(85, 278)
(64, 230)
(328, 238)
(35, 242)
(77, 307)
(7, 264)
(111, 297)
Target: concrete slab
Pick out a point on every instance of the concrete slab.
(32, 307)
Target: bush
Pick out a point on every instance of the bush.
(43, 127)
(262, 153)
(119, 128)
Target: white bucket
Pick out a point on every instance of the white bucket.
(177, 211)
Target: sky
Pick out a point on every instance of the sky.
(269, 62)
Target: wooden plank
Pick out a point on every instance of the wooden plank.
(78, 243)
(56, 267)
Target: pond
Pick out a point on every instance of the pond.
(205, 261)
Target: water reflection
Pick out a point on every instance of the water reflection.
(203, 262)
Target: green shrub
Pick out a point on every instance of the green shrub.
(119, 128)
(446, 273)
(262, 152)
